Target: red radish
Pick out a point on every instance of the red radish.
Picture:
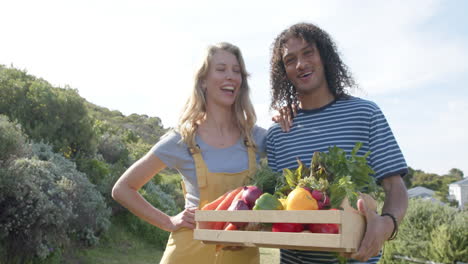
(250, 194)
(321, 206)
(318, 195)
(326, 201)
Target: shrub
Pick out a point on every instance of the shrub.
(430, 231)
(449, 241)
(44, 204)
(137, 150)
(95, 168)
(12, 140)
(112, 148)
(34, 211)
(91, 215)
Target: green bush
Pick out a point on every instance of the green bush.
(430, 231)
(35, 210)
(91, 215)
(112, 148)
(137, 150)
(12, 141)
(45, 204)
(58, 116)
(95, 168)
(449, 242)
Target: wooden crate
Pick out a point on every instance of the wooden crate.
(351, 223)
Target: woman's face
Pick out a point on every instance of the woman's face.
(223, 80)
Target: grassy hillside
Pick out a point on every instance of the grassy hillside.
(119, 246)
(122, 247)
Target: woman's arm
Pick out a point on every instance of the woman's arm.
(125, 191)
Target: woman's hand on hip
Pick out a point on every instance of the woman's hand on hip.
(185, 219)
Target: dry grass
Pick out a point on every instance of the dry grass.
(269, 256)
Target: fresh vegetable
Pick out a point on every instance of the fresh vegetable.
(265, 178)
(318, 195)
(224, 205)
(325, 203)
(230, 227)
(212, 205)
(336, 174)
(347, 174)
(324, 228)
(267, 202)
(283, 202)
(238, 205)
(250, 194)
(301, 199)
(287, 227)
(239, 195)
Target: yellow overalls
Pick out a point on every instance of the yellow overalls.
(182, 248)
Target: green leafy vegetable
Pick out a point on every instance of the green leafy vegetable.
(335, 172)
(265, 178)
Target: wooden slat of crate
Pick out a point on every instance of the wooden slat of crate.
(272, 216)
(271, 238)
(351, 229)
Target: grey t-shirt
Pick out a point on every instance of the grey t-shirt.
(175, 154)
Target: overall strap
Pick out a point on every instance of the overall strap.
(252, 159)
(200, 167)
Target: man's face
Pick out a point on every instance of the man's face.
(304, 67)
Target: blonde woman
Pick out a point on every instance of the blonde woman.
(215, 148)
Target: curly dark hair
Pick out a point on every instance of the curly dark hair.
(338, 77)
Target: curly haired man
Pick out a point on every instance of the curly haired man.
(307, 70)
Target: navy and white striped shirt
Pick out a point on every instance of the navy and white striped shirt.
(341, 123)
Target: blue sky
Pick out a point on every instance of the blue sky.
(139, 57)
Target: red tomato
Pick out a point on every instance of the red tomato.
(324, 228)
(287, 227)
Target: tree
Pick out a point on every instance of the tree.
(429, 180)
(456, 173)
(55, 115)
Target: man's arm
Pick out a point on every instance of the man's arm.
(380, 228)
(396, 197)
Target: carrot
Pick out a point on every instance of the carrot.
(238, 196)
(215, 203)
(230, 227)
(224, 205)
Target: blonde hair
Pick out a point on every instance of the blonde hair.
(195, 107)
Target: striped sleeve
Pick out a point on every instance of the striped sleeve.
(271, 151)
(386, 157)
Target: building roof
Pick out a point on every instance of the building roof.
(461, 182)
(420, 191)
